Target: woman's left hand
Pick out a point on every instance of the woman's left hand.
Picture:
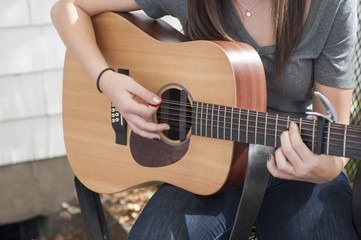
(295, 161)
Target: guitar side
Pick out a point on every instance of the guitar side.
(211, 72)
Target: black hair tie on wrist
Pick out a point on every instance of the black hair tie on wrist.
(100, 74)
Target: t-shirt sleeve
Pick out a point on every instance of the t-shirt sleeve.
(153, 8)
(335, 65)
(159, 8)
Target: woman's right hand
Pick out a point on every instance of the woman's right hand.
(121, 91)
(74, 16)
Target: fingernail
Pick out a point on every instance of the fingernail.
(167, 128)
(293, 125)
(154, 105)
(269, 157)
(156, 99)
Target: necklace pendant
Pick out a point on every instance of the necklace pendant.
(248, 14)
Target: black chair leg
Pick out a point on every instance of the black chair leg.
(92, 212)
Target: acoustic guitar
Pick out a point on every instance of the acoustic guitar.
(213, 98)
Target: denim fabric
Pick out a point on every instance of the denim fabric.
(290, 210)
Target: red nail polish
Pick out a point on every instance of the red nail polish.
(156, 105)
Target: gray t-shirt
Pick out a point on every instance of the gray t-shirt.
(325, 52)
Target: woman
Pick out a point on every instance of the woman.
(305, 46)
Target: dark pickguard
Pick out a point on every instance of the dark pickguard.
(156, 153)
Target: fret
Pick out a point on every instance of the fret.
(231, 133)
(224, 123)
(288, 122)
(255, 128)
(239, 125)
(300, 126)
(328, 138)
(215, 120)
(247, 126)
(344, 142)
(219, 108)
(334, 139)
(201, 121)
(196, 119)
(212, 121)
(229, 124)
(206, 127)
(313, 136)
(265, 130)
(353, 142)
(269, 139)
(276, 126)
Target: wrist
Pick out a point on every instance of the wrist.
(100, 77)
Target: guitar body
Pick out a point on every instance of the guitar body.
(225, 73)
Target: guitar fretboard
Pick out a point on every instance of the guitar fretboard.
(264, 128)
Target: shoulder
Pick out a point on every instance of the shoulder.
(335, 35)
(331, 16)
(160, 8)
(336, 7)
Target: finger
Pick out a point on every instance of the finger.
(145, 134)
(144, 111)
(288, 150)
(144, 94)
(153, 99)
(282, 163)
(298, 145)
(131, 106)
(144, 128)
(275, 171)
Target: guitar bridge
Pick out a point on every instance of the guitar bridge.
(119, 124)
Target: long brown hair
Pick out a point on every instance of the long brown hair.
(207, 18)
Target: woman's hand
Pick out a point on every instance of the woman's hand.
(295, 161)
(121, 91)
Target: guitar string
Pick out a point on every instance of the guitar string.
(280, 120)
(350, 148)
(261, 130)
(263, 114)
(351, 129)
(333, 134)
(337, 148)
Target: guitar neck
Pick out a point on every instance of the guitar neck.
(239, 125)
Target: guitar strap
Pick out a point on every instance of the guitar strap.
(356, 202)
(254, 187)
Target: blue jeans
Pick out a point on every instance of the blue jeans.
(290, 210)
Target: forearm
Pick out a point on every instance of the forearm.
(72, 19)
(75, 28)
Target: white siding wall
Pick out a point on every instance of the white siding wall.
(31, 60)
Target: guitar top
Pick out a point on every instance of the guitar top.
(214, 96)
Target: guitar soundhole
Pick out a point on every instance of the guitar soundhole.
(175, 110)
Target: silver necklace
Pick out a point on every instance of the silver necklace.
(248, 13)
